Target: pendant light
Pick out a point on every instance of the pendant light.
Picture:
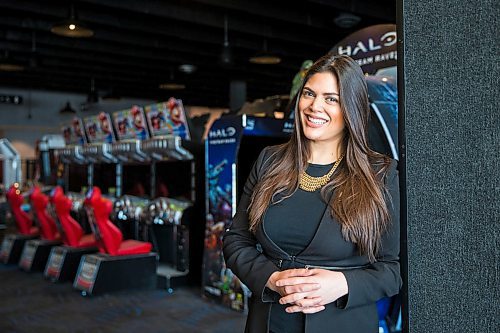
(67, 109)
(8, 64)
(226, 56)
(34, 61)
(72, 27)
(264, 57)
(93, 96)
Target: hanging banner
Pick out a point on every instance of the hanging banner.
(99, 128)
(373, 47)
(167, 118)
(131, 124)
(74, 134)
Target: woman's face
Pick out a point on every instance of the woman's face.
(319, 105)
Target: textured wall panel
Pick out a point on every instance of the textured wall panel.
(450, 58)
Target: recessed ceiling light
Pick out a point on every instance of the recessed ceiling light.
(187, 68)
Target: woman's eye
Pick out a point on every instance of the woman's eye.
(307, 93)
(331, 100)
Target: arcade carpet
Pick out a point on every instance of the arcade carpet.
(31, 304)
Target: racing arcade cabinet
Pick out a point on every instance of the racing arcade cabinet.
(64, 260)
(171, 221)
(36, 251)
(13, 244)
(120, 264)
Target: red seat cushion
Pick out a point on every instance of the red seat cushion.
(34, 231)
(87, 241)
(131, 246)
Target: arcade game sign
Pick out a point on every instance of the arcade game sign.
(99, 128)
(373, 47)
(167, 118)
(131, 124)
(73, 134)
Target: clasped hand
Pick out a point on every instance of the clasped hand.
(308, 290)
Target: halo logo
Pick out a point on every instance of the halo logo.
(386, 40)
(222, 133)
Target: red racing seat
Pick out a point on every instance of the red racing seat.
(23, 222)
(47, 224)
(71, 230)
(110, 238)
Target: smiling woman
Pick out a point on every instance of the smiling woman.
(324, 209)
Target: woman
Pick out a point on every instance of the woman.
(316, 233)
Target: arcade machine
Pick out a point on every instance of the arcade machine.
(97, 152)
(10, 164)
(75, 166)
(171, 221)
(36, 252)
(13, 244)
(232, 146)
(132, 168)
(64, 260)
(47, 159)
(10, 178)
(120, 264)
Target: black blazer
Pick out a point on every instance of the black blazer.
(254, 257)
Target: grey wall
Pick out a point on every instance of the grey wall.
(23, 130)
(449, 82)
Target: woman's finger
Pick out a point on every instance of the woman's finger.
(296, 308)
(309, 302)
(294, 281)
(300, 288)
(292, 298)
(313, 309)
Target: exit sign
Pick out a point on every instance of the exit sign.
(11, 99)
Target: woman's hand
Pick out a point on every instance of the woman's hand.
(287, 274)
(332, 285)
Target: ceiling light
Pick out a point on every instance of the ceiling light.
(72, 27)
(187, 68)
(346, 20)
(172, 86)
(264, 57)
(67, 109)
(7, 64)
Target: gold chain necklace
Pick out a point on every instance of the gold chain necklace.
(310, 184)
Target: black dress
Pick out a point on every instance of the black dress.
(292, 224)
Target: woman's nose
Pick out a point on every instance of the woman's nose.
(317, 105)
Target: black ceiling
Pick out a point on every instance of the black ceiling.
(138, 44)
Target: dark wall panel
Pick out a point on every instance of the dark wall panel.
(449, 77)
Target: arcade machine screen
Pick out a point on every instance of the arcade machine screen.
(105, 177)
(173, 179)
(136, 180)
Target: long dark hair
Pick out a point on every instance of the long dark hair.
(356, 192)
